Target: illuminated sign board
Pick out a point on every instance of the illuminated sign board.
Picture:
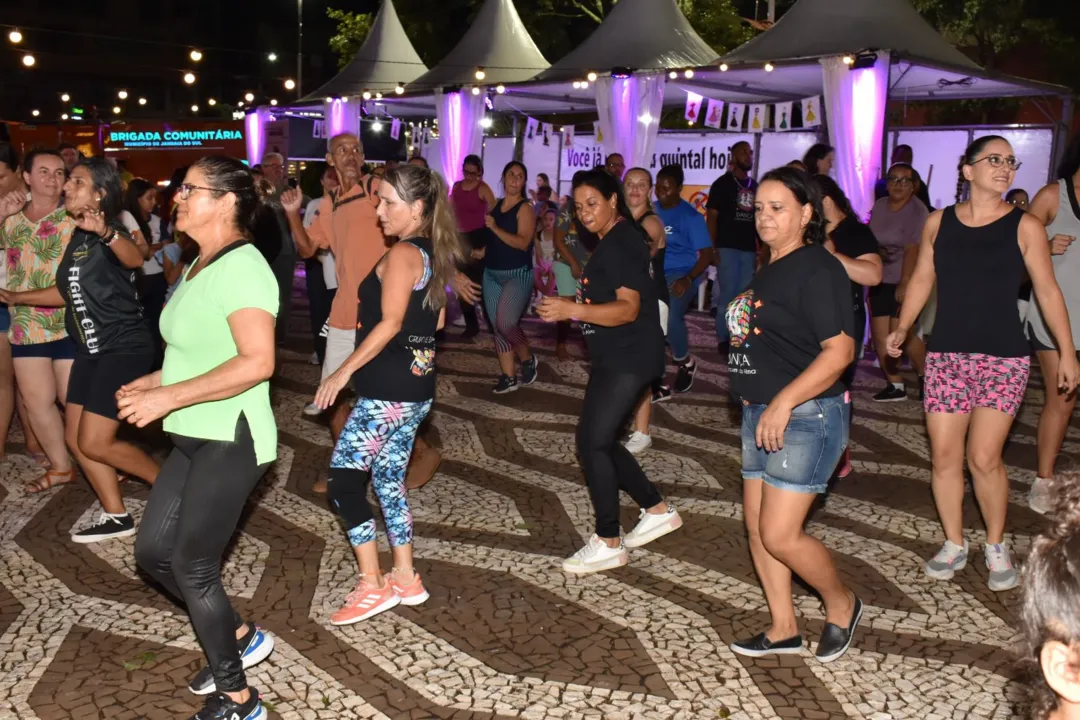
(172, 138)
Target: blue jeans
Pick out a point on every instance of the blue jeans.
(733, 274)
(678, 336)
(814, 441)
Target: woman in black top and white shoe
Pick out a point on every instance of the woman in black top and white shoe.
(619, 315)
(791, 341)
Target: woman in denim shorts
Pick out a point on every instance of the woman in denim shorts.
(791, 341)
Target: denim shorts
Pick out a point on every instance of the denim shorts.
(814, 441)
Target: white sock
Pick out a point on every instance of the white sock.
(898, 386)
(1042, 479)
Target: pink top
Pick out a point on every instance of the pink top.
(469, 207)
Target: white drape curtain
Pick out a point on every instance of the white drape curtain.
(460, 133)
(255, 134)
(855, 110)
(629, 110)
(341, 116)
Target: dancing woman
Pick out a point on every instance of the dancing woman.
(978, 361)
(619, 315)
(214, 394)
(402, 305)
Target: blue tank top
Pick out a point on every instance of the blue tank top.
(499, 255)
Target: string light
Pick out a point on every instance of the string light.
(240, 103)
(329, 99)
(65, 97)
(273, 102)
(35, 113)
(688, 74)
(15, 36)
(189, 78)
(290, 84)
(142, 101)
(123, 94)
(848, 60)
(475, 90)
(194, 108)
(64, 116)
(480, 74)
(672, 75)
(29, 60)
(250, 97)
(769, 67)
(376, 126)
(272, 57)
(500, 89)
(485, 122)
(378, 96)
(723, 67)
(116, 109)
(195, 56)
(400, 89)
(591, 76)
(367, 95)
(211, 102)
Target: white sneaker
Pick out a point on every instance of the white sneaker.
(311, 410)
(596, 556)
(950, 559)
(1039, 498)
(315, 359)
(650, 527)
(1002, 571)
(638, 443)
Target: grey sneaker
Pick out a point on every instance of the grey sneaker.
(1039, 497)
(1002, 572)
(950, 558)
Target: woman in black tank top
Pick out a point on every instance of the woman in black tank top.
(402, 305)
(978, 359)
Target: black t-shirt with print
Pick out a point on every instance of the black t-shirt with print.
(621, 260)
(733, 201)
(854, 239)
(104, 314)
(777, 324)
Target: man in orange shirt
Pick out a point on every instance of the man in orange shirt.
(348, 226)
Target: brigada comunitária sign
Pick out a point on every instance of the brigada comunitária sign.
(172, 138)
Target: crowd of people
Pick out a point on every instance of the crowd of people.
(116, 314)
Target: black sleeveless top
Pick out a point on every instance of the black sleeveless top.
(978, 272)
(499, 255)
(657, 262)
(405, 369)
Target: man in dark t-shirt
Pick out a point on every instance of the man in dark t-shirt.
(730, 217)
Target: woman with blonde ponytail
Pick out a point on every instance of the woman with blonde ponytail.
(402, 305)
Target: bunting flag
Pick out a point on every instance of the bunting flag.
(532, 129)
(568, 136)
(715, 114)
(736, 115)
(395, 129)
(318, 129)
(598, 134)
(782, 117)
(759, 118)
(693, 107)
(811, 111)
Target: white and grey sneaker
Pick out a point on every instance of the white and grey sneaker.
(595, 557)
(653, 526)
(107, 527)
(638, 443)
(1039, 498)
(950, 558)
(1002, 571)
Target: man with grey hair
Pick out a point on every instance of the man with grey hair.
(284, 265)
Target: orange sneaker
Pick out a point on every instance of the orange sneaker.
(412, 594)
(364, 602)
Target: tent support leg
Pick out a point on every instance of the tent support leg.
(1061, 135)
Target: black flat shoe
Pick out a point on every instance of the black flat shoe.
(760, 646)
(835, 640)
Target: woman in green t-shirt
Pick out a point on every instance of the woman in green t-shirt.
(214, 394)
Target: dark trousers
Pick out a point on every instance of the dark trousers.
(152, 289)
(191, 515)
(610, 397)
(284, 267)
(320, 298)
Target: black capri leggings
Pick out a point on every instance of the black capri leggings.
(610, 397)
(189, 519)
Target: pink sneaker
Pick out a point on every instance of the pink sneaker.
(844, 468)
(412, 594)
(364, 602)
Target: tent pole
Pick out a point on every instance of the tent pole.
(1061, 136)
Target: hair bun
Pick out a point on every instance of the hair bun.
(264, 189)
(1065, 514)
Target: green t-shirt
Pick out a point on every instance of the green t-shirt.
(195, 327)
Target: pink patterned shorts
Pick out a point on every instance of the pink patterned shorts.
(961, 382)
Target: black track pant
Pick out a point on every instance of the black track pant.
(189, 519)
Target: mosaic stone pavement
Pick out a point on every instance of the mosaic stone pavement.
(506, 634)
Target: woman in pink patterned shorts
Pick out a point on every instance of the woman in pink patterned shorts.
(978, 358)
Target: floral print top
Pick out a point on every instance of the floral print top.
(32, 252)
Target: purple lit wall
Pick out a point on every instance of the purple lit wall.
(855, 106)
(255, 134)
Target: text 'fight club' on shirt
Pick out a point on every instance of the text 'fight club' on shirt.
(104, 314)
(733, 201)
(777, 324)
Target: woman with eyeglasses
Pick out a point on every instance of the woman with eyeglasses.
(213, 392)
(472, 199)
(978, 359)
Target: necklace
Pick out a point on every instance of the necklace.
(749, 181)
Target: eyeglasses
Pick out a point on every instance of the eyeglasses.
(470, 173)
(185, 190)
(997, 161)
(895, 180)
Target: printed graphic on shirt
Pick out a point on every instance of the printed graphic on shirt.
(744, 205)
(738, 316)
(423, 361)
(582, 284)
(85, 323)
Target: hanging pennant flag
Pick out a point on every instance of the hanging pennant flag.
(598, 134)
(395, 129)
(548, 131)
(318, 129)
(427, 135)
(759, 118)
(736, 115)
(714, 114)
(532, 129)
(811, 111)
(782, 117)
(693, 107)
(568, 136)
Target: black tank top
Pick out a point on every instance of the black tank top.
(978, 272)
(104, 314)
(499, 255)
(405, 369)
(657, 264)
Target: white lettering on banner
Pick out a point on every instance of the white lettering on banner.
(172, 138)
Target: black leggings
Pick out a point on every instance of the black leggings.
(189, 519)
(610, 397)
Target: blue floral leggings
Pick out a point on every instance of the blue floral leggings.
(375, 447)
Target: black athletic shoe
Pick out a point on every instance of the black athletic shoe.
(661, 394)
(220, 707)
(528, 371)
(836, 640)
(505, 385)
(684, 379)
(106, 528)
(760, 646)
(891, 393)
(254, 647)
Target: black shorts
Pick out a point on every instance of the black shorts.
(95, 380)
(883, 301)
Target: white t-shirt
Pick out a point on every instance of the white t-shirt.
(151, 266)
(326, 257)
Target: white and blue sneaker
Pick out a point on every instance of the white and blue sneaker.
(220, 706)
(255, 647)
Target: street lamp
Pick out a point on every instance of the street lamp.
(142, 101)
(65, 97)
(15, 36)
(29, 61)
(211, 102)
(195, 56)
(194, 108)
(250, 97)
(189, 78)
(116, 110)
(290, 84)
(272, 57)
(35, 113)
(123, 94)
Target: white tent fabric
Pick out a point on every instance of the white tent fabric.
(385, 59)
(459, 130)
(629, 110)
(498, 42)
